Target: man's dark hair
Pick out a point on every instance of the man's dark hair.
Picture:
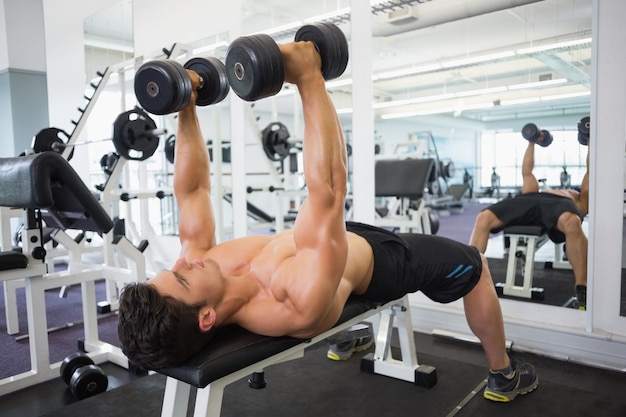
(157, 331)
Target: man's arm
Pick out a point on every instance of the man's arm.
(584, 189)
(319, 231)
(192, 182)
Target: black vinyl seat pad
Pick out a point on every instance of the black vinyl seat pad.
(233, 348)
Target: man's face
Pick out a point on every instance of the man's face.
(192, 282)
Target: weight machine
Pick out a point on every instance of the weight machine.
(47, 190)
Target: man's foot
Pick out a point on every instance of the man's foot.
(344, 350)
(504, 388)
(581, 296)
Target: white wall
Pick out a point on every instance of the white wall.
(160, 23)
(4, 50)
(25, 32)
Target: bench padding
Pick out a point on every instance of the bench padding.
(402, 177)
(233, 348)
(524, 230)
(47, 181)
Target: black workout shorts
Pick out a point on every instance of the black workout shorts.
(535, 209)
(443, 269)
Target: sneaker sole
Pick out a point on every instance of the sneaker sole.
(337, 357)
(505, 397)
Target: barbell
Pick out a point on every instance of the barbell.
(255, 67)
(164, 87)
(275, 140)
(135, 137)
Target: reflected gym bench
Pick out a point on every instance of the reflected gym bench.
(522, 243)
(235, 353)
(48, 190)
(406, 180)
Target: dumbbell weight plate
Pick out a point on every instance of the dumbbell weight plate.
(547, 139)
(88, 381)
(275, 144)
(72, 363)
(530, 132)
(133, 135)
(184, 85)
(331, 44)
(214, 81)
(584, 126)
(170, 144)
(46, 139)
(108, 162)
(254, 67)
(162, 87)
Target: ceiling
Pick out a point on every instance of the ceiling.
(470, 59)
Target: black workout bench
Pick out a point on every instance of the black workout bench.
(234, 353)
(522, 243)
(406, 180)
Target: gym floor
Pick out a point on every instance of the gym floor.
(314, 386)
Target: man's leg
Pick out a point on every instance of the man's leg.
(485, 222)
(484, 316)
(575, 245)
(576, 251)
(507, 378)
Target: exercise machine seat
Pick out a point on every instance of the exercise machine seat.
(402, 177)
(233, 348)
(46, 181)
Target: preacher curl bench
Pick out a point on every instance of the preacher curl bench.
(48, 190)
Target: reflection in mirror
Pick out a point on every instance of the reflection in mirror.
(478, 80)
(558, 273)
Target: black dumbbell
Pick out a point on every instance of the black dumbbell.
(84, 378)
(584, 126)
(255, 67)
(163, 86)
(531, 133)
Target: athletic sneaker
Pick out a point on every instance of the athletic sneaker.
(522, 381)
(581, 297)
(344, 350)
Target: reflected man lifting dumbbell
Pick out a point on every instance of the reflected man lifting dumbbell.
(296, 282)
(559, 211)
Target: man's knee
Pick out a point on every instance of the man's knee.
(570, 224)
(486, 220)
